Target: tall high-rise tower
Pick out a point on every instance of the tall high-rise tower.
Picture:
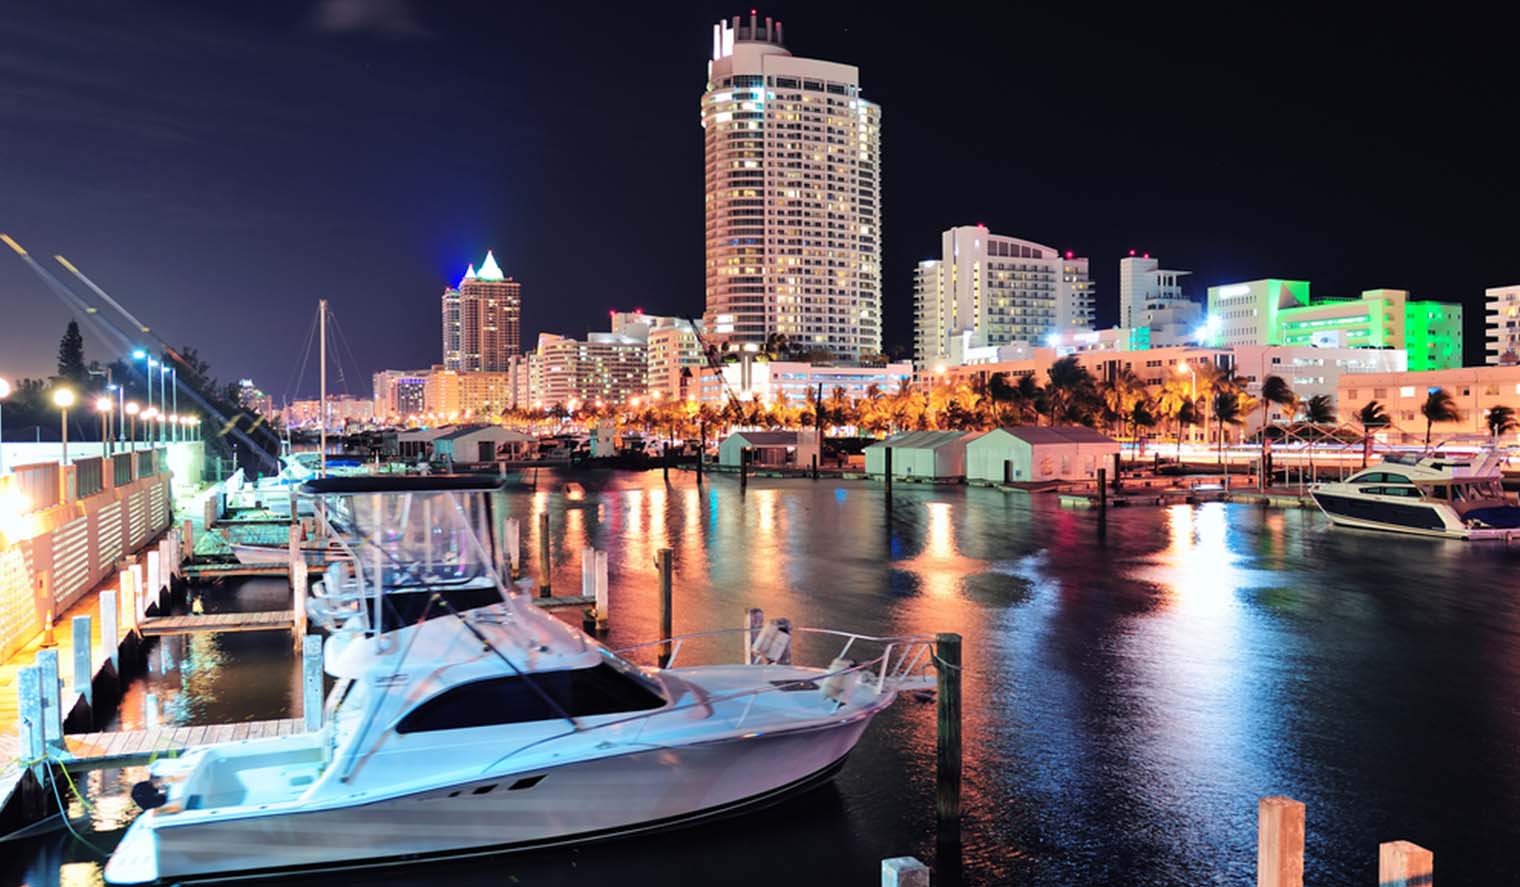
(793, 156)
(482, 320)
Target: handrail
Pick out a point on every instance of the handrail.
(794, 629)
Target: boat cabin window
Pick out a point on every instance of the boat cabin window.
(582, 692)
(1410, 492)
(1380, 477)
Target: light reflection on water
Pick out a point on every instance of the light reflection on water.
(1131, 687)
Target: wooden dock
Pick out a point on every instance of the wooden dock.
(134, 748)
(231, 570)
(263, 620)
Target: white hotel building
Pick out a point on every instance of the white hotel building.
(793, 196)
(1503, 325)
(998, 289)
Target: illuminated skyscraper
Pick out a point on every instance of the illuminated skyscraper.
(482, 320)
(793, 196)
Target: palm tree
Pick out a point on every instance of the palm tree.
(1120, 395)
(1439, 406)
(1027, 397)
(1071, 391)
(1274, 389)
(1371, 415)
(1169, 404)
(1227, 410)
(1320, 410)
(1501, 420)
(1187, 417)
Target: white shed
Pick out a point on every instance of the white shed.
(479, 443)
(417, 443)
(774, 449)
(1031, 454)
(930, 455)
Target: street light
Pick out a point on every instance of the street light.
(103, 407)
(63, 398)
(5, 391)
(150, 415)
(131, 409)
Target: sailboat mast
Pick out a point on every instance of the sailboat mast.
(322, 362)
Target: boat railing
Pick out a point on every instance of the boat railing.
(903, 660)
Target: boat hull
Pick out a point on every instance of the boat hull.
(278, 554)
(570, 803)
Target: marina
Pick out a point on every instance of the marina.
(1224, 589)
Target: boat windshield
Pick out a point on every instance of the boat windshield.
(419, 539)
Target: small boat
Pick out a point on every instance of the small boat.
(467, 721)
(1451, 496)
(316, 555)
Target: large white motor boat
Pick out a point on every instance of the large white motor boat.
(1453, 496)
(464, 720)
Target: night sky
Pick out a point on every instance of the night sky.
(220, 169)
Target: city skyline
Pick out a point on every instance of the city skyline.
(1221, 197)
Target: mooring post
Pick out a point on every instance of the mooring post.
(208, 517)
(815, 466)
(666, 568)
(1118, 470)
(588, 571)
(947, 796)
(1402, 864)
(603, 603)
(29, 717)
(1102, 489)
(743, 469)
(299, 579)
(904, 871)
(1279, 842)
(154, 574)
(84, 671)
(665, 463)
(187, 541)
(108, 637)
(886, 456)
(311, 681)
(52, 695)
(295, 516)
(128, 599)
(701, 449)
(293, 545)
(543, 554)
(514, 546)
(754, 621)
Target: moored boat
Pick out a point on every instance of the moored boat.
(1447, 495)
(467, 721)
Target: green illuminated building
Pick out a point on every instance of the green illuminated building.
(1429, 332)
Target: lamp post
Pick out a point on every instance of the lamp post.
(150, 418)
(103, 407)
(131, 408)
(5, 391)
(163, 403)
(63, 398)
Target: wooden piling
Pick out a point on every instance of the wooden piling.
(209, 516)
(754, 620)
(155, 577)
(29, 716)
(743, 469)
(513, 544)
(815, 466)
(52, 695)
(665, 463)
(886, 474)
(299, 581)
(947, 796)
(701, 449)
(1102, 489)
(543, 554)
(603, 601)
(311, 681)
(1118, 470)
(109, 641)
(1402, 864)
(588, 571)
(1279, 842)
(187, 541)
(666, 569)
(84, 665)
(904, 871)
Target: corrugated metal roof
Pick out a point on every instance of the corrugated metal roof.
(1036, 434)
(920, 440)
(769, 438)
(464, 430)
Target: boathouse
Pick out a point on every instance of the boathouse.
(482, 443)
(921, 455)
(770, 449)
(1031, 454)
(417, 443)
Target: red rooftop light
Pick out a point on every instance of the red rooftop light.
(1131, 252)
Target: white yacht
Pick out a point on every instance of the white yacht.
(1451, 495)
(466, 721)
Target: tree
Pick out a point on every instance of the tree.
(1227, 410)
(1120, 395)
(1439, 406)
(1320, 410)
(1371, 415)
(1071, 392)
(71, 364)
(1274, 390)
(1170, 402)
(1501, 420)
(1187, 417)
